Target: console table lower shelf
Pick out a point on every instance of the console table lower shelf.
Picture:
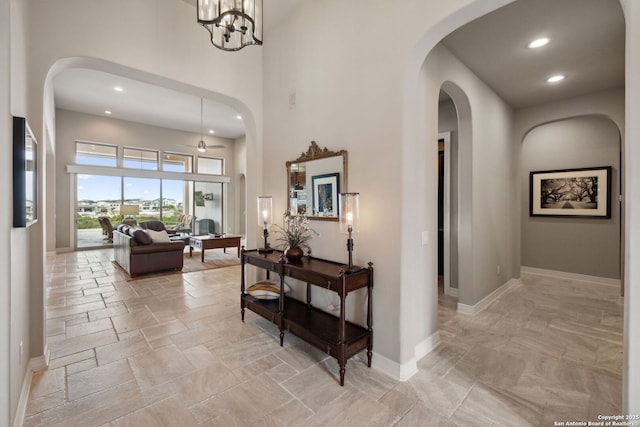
(314, 326)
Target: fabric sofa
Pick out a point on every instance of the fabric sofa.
(155, 226)
(137, 254)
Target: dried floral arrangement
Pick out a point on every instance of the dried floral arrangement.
(295, 232)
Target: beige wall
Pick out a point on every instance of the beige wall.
(394, 172)
(25, 256)
(6, 349)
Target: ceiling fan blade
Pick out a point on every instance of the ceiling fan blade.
(213, 147)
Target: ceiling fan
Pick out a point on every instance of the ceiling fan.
(202, 146)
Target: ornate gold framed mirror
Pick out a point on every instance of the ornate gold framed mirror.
(315, 181)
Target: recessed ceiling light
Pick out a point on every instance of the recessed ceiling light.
(118, 89)
(239, 117)
(107, 111)
(211, 131)
(538, 43)
(556, 78)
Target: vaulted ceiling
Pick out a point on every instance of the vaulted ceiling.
(586, 45)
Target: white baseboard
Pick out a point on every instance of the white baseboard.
(404, 371)
(425, 347)
(454, 292)
(394, 369)
(570, 276)
(485, 302)
(36, 364)
(41, 363)
(64, 250)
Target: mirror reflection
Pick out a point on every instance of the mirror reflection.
(30, 176)
(315, 180)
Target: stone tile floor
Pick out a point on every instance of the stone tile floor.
(171, 350)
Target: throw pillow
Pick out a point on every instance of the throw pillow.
(158, 236)
(266, 290)
(142, 238)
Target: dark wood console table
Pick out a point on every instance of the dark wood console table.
(340, 338)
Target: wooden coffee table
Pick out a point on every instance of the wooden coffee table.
(209, 242)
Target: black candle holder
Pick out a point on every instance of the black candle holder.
(266, 249)
(350, 267)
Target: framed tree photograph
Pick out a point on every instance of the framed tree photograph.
(582, 192)
(326, 189)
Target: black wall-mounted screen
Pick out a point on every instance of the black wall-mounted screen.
(25, 174)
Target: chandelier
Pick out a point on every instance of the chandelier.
(233, 24)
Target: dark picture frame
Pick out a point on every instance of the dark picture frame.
(199, 198)
(325, 192)
(25, 174)
(583, 192)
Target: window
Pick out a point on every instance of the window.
(174, 199)
(144, 192)
(136, 158)
(174, 162)
(210, 165)
(164, 194)
(89, 153)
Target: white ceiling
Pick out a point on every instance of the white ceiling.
(587, 44)
(92, 92)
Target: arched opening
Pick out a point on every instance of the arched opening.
(482, 263)
(62, 235)
(585, 141)
(52, 148)
(448, 221)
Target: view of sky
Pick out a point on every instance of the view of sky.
(101, 187)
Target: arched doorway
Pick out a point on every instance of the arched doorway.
(417, 133)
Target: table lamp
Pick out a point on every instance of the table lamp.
(129, 210)
(265, 215)
(293, 205)
(349, 219)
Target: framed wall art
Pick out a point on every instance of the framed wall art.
(584, 192)
(326, 189)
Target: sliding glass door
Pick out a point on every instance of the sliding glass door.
(97, 196)
(106, 201)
